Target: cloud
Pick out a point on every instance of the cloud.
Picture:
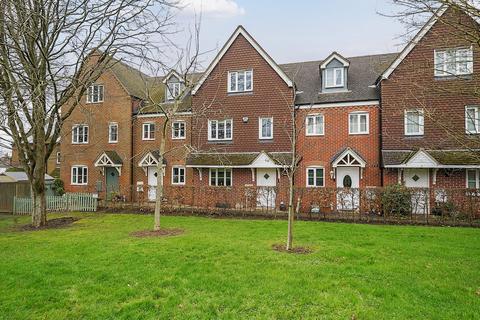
(212, 7)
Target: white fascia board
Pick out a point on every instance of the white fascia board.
(241, 31)
(337, 56)
(456, 166)
(157, 115)
(418, 37)
(340, 104)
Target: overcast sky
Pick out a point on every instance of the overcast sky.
(299, 30)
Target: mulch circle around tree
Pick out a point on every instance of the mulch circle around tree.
(296, 250)
(160, 233)
(57, 223)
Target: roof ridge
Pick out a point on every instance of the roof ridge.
(353, 57)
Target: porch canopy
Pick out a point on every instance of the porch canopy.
(150, 159)
(240, 160)
(109, 159)
(432, 159)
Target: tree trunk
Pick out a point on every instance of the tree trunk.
(159, 192)
(291, 213)
(39, 210)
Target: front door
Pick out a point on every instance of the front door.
(152, 183)
(266, 183)
(348, 182)
(420, 180)
(111, 182)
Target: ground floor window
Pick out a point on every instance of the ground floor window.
(221, 177)
(178, 175)
(315, 177)
(79, 175)
(472, 179)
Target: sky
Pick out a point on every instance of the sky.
(300, 30)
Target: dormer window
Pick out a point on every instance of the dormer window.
(240, 81)
(334, 77)
(334, 70)
(173, 90)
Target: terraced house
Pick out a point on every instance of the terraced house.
(359, 122)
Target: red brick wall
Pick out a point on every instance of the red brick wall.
(271, 97)
(117, 107)
(320, 150)
(413, 85)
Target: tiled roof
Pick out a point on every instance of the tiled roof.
(362, 74)
(443, 157)
(235, 159)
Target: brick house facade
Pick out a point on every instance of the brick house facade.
(425, 139)
(234, 128)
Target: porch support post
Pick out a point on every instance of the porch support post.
(434, 176)
(278, 174)
(400, 172)
(200, 173)
(253, 174)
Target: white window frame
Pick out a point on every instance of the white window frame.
(179, 175)
(315, 177)
(77, 135)
(173, 94)
(217, 122)
(99, 97)
(58, 158)
(216, 177)
(359, 114)
(421, 124)
(260, 127)
(314, 132)
(182, 131)
(442, 70)
(76, 183)
(151, 133)
(110, 126)
(477, 178)
(335, 85)
(236, 73)
(476, 120)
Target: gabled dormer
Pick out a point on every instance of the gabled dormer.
(174, 85)
(334, 73)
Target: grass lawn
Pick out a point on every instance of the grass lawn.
(226, 269)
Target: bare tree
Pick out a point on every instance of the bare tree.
(51, 51)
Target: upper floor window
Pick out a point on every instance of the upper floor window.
(221, 177)
(79, 175)
(220, 129)
(414, 122)
(95, 93)
(148, 131)
(358, 123)
(178, 175)
(173, 90)
(178, 130)
(240, 81)
(334, 78)
(113, 133)
(80, 134)
(315, 177)
(472, 120)
(453, 62)
(265, 128)
(315, 125)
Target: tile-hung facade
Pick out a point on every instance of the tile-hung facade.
(362, 122)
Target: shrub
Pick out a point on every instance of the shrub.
(396, 199)
(58, 187)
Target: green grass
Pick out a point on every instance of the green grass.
(225, 269)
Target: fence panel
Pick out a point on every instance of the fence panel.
(83, 202)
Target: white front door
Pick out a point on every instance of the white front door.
(348, 182)
(152, 183)
(418, 178)
(266, 183)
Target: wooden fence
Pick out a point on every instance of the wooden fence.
(84, 202)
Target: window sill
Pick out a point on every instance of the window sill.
(265, 139)
(315, 187)
(79, 143)
(242, 93)
(414, 136)
(148, 139)
(112, 142)
(220, 141)
(178, 138)
(315, 135)
(454, 77)
(99, 102)
(359, 134)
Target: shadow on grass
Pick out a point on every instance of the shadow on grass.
(157, 234)
(296, 250)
